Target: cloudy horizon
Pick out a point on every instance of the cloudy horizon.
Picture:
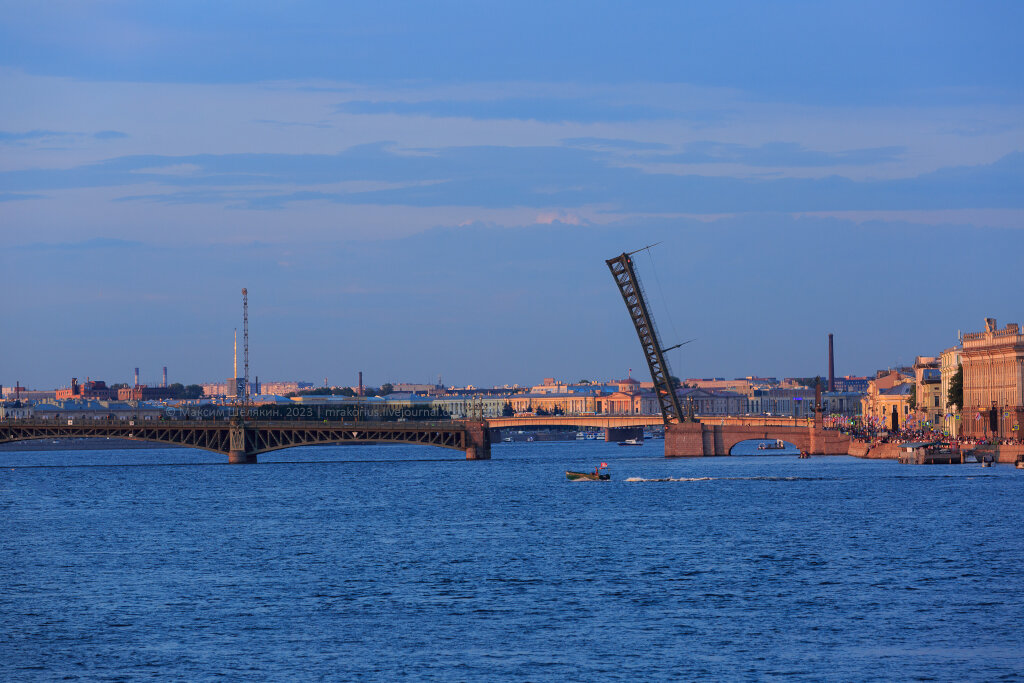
(415, 191)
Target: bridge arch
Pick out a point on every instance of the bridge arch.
(726, 439)
(750, 447)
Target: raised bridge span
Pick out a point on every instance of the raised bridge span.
(242, 442)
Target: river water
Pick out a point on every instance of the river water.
(394, 562)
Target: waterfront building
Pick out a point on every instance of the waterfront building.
(15, 410)
(710, 402)
(462, 407)
(800, 403)
(841, 403)
(949, 364)
(993, 363)
(142, 392)
(878, 404)
(214, 389)
(930, 407)
(91, 409)
(19, 393)
(276, 388)
(743, 385)
(422, 389)
(568, 404)
(853, 384)
(631, 402)
(92, 389)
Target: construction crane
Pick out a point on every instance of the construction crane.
(629, 286)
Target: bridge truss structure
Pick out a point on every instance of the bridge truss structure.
(242, 441)
(621, 268)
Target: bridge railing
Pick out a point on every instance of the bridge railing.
(279, 424)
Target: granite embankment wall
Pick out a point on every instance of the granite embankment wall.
(891, 451)
(1007, 454)
(882, 451)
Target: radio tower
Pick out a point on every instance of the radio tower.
(245, 347)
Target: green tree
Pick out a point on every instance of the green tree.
(912, 400)
(192, 391)
(955, 396)
(385, 389)
(507, 410)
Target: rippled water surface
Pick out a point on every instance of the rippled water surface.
(390, 562)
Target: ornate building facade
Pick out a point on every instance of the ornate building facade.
(949, 363)
(993, 363)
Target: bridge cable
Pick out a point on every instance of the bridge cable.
(664, 302)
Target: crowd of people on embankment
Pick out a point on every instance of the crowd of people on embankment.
(875, 436)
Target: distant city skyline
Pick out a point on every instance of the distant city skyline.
(412, 190)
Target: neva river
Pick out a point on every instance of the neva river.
(391, 562)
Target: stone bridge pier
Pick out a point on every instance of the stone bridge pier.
(620, 434)
(240, 447)
(478, 441)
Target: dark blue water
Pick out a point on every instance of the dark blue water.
(390, 562)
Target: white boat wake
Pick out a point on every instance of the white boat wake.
(642, 479)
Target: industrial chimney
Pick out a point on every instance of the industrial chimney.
(360, 382)
(831, 366)
(164, 385)
(136, 377)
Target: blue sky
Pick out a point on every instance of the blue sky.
(415, 188)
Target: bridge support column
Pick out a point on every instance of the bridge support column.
(478, 441)
(684, 440)
(619, 434)
(241, 458)
(239, 455)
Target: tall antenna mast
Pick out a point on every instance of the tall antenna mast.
(245, 343)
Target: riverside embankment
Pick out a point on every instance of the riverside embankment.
(1004, 453)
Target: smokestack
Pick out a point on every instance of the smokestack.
(360, 382)
(831, 366)
(164, 385)
(136, 377)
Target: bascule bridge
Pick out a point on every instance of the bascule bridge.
(684, 434)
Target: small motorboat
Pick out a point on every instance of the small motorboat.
(596, 475)
(804, 455)
(632, 442)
